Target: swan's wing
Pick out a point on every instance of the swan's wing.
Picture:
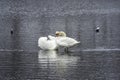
(60, 43)
(68, 41)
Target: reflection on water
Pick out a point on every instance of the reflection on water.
(57, 64)
(52, 65)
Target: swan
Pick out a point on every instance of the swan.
(63, 40)
(47, 44)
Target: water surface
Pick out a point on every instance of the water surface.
(52, 65)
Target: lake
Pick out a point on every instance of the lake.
(53, 65)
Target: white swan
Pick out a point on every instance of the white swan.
(47, 44)
(54, 42)
(62, 40)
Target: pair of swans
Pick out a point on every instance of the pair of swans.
(52, 43)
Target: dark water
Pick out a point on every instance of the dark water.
(52, 65)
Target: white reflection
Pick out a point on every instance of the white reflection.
(47, 55)
(52, 59)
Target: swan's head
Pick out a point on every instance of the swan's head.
(60, 34)
(57, 33)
